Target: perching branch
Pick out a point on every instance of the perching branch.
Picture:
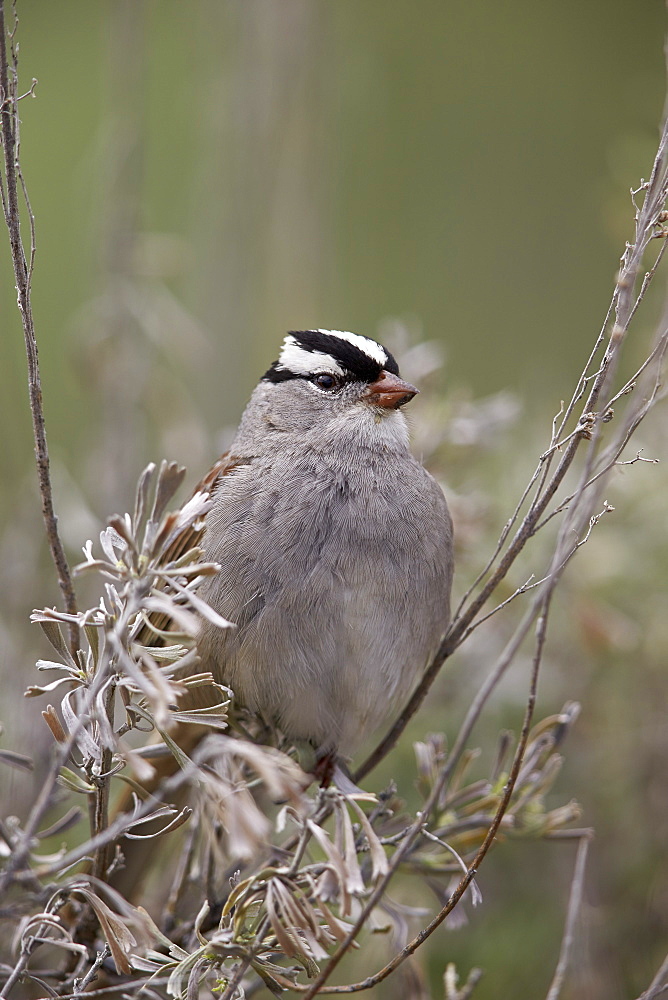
(415, 830)
(593, 416)
(539, 610)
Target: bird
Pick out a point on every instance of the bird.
(334, 555)
(335, 548)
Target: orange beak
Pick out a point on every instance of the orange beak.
(389, 391)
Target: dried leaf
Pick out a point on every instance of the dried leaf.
(117, 935)
(18, 760)
(196, 976)
(161, 604)
(327, 888)
(282, 777)
(288, 944)
(379, 864)
(141, 497)
(176, 979)
(105, 732)
(54, 724)
(174, 950)
(201, 606)
(354, 880)
(178, 820)
(168, 654)
(212, 716)
(33, 690)
(72, 781)
(83, 739)
(246, 827)
(53, 633)
(274, 985)
(303, 918)
(339, 928)
(123, 528)
(182, 759)
(239, 890)
(71, 817)
(112, 544)
(160, 539)
(93, 636)
(170, 477)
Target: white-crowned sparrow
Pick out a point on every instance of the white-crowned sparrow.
(335, 546)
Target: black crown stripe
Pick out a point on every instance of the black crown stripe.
(351, 358)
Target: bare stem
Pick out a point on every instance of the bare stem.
(23, 273)
(624, 305)
(542, 607)
(659, 984)
(574, 903)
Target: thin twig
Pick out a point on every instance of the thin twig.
(16, 973)
(244, 963)
(81, 986)
(540, 606)
(23, 269)
(109, 991)
(540, 609)
(457, 630)
(545, 458)
(530, 584)
(564, 550)
(14, 868)
(102, 854)
(659, 984)
(600, 393)
(574, 903)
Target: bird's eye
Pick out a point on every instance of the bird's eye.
(325, 381)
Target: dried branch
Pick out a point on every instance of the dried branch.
(436, 793)
(589, 428)
(574, 904)
(23, 269)
(659, 984)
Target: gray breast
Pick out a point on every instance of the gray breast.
(339, 584)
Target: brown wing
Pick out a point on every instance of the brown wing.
(192, 535)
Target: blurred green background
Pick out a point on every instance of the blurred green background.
(207, 175)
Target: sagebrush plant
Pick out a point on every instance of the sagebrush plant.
(293, 901)
(263, 878)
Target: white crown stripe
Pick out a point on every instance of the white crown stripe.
(301, 362)
(370, 347)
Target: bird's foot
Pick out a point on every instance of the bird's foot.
(329, 769)
(324, 768)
